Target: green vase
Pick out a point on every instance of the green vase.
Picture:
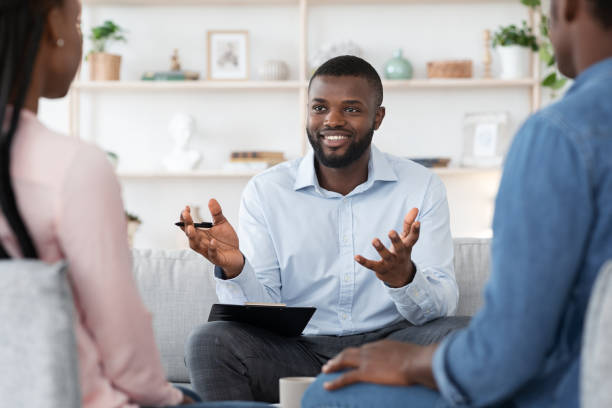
(398, 67)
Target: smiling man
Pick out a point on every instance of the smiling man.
(361, 235)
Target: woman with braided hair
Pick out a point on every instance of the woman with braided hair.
(60, 200)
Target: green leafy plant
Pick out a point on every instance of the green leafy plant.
(553, 78)
(513, 35)
(103, 35)
(132, 217)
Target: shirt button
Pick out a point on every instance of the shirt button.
(343, 316)
(347, 278)
(345, 239)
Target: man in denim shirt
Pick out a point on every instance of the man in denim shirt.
(552, 233)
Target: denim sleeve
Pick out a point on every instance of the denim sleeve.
(543, 214)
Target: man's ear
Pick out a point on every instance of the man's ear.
(378, 118)
(569, 10)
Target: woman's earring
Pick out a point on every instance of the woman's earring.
(60, 42)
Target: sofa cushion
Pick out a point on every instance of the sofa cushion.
(178, 288)
(596, 346)
(472, 263)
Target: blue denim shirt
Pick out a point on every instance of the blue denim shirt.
(552, 233)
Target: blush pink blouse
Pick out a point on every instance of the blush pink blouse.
(70, 200)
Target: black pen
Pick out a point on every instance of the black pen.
(195, 224)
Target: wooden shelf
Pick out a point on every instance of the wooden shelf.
(291, 85)
(224, 174)
(196, 174)
(185, 85)
(459, 83)
(465, 171)
(276, 2)
(187, 2)
(376, 2)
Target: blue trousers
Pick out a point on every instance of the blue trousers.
(365, 395)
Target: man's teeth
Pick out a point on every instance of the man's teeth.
(336, 137)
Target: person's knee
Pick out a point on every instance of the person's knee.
(316, 395)
(205, 340)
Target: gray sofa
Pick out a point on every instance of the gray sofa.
(179, 289)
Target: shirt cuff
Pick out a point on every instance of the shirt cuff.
(444, 380)
(416, 292)
(247, 280)
(220, 273)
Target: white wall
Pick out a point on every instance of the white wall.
(418, 123)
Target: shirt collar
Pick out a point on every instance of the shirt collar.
(594, 73)
(379, 169)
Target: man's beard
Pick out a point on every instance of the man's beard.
(354, 151)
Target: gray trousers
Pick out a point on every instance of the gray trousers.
(235, 361)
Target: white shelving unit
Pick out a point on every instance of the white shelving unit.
(298, 86)
(212, 174)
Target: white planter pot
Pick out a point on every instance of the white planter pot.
(514, 62)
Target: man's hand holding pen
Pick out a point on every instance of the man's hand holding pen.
(218, 244)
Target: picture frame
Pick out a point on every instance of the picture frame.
(228, 55)
(485, 139)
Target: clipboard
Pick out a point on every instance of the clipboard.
(282, 320)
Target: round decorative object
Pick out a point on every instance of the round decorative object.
(398, 67)
(274, 70)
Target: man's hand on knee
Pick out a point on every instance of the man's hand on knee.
(384, 362)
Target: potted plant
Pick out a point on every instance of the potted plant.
(514, 46)
(552, 77)
(133, 222)
(113, 158)
(102, 65)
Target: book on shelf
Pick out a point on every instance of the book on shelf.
(255, 159)
(170, 76)
(257, 154)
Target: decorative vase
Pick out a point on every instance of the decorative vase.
(514, 62)
(398, 67)
(274, 70)
(104, 67)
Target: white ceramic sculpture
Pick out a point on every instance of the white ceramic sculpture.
(331, 50)
(181, 128)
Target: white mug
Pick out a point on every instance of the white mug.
(292, 389)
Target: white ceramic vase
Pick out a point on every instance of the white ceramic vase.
(274, 70)
(514, 61)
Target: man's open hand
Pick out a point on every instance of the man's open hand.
(396, 268)
(218, 244)
(384, 362)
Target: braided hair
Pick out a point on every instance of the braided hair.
(21, 28)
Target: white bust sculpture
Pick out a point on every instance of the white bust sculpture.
(181, 128)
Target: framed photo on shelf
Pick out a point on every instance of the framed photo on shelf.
(228, 55)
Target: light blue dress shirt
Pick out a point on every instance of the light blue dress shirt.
(299, 241)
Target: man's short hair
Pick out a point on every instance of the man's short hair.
(350, 65)
(602, 10)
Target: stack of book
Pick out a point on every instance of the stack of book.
(254, 160)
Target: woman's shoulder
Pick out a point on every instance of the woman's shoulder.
(42, 155)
